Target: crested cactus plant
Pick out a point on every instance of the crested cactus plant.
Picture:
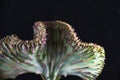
(55, 51)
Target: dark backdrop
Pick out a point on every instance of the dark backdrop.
(94, 21)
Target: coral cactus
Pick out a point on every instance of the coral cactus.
(55, 51)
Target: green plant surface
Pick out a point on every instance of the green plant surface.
(55, 51)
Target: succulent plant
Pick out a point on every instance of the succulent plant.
(55, 51)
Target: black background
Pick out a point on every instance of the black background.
(94, 20)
